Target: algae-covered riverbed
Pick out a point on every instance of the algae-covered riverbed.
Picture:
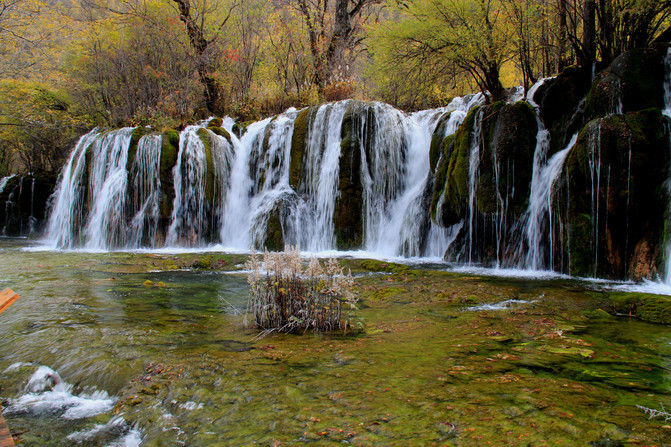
(129, 348)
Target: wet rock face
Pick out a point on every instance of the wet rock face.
(509, 139)
(613, 195)
(634, 81)
(23, 204)
(449, 203)
(347, 218)
(559, 101)
(506, 138)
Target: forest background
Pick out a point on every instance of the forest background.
(67, 66)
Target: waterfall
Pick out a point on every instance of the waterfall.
(107, 190)
(667, 112)
(539, 207)
(312, 219)
(273, 191)
(67, 215)
(473, 168)
(146, 190)
(201, 175)
(386, 175)
(4, 180)
(237, 191)
(237, 211)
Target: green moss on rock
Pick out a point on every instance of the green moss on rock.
(347, 217)
(215, 122)
(456, 186)
(274, 235)
(616, 176)
(217, 130)
(169, 153)
(633, 82)
(506, 157)
(647, 307)
(437, 139)
(210, 175)
(138, 133)
(300, 135)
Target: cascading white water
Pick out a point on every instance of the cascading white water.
(273, 187)
(67, 215)
(538, 209)
(473, 168)
(146, 190)
(393, 217)
(231, 196)
(188, 213)
(667, 112)
(313, 216)
(386, 175)
(107, 189)
(234, 232)
(4, 180)
(198, 207)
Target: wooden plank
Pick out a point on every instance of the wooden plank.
(6, 439)
(7, 298)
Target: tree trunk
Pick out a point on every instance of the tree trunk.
(562, 38)
(206, 66)
(587, 54)
(335, 55)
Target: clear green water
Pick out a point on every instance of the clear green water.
(178, 363)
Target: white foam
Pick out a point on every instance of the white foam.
(48, 394)
(655, 288)
(510, 273)
(190, 406)
(114, 427)
(498, 306)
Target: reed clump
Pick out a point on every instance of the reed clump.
(288, 295)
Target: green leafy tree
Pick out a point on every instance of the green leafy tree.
(454, 41)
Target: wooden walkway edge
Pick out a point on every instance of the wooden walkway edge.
(6, 439)
(7, 298)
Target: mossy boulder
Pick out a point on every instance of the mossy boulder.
(239, 129)
(358, 123)
(138, 133)
(215, 122)
(169, 153)
(647, 307)
(451, 185)
(612, 196)
(274, 240)
(210, 175)
(298, 141)
(506, 158)
(507, 143)
(634, 81)
(559, 100)
(437, 139)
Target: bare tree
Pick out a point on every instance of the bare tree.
(208, 57)
(335, 34)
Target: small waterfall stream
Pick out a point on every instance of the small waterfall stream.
(146, 190)
(543, 176)
(667, 112)
(313, 216)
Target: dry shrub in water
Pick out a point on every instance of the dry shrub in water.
(287, 296)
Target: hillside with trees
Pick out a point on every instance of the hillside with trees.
(68, 66)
